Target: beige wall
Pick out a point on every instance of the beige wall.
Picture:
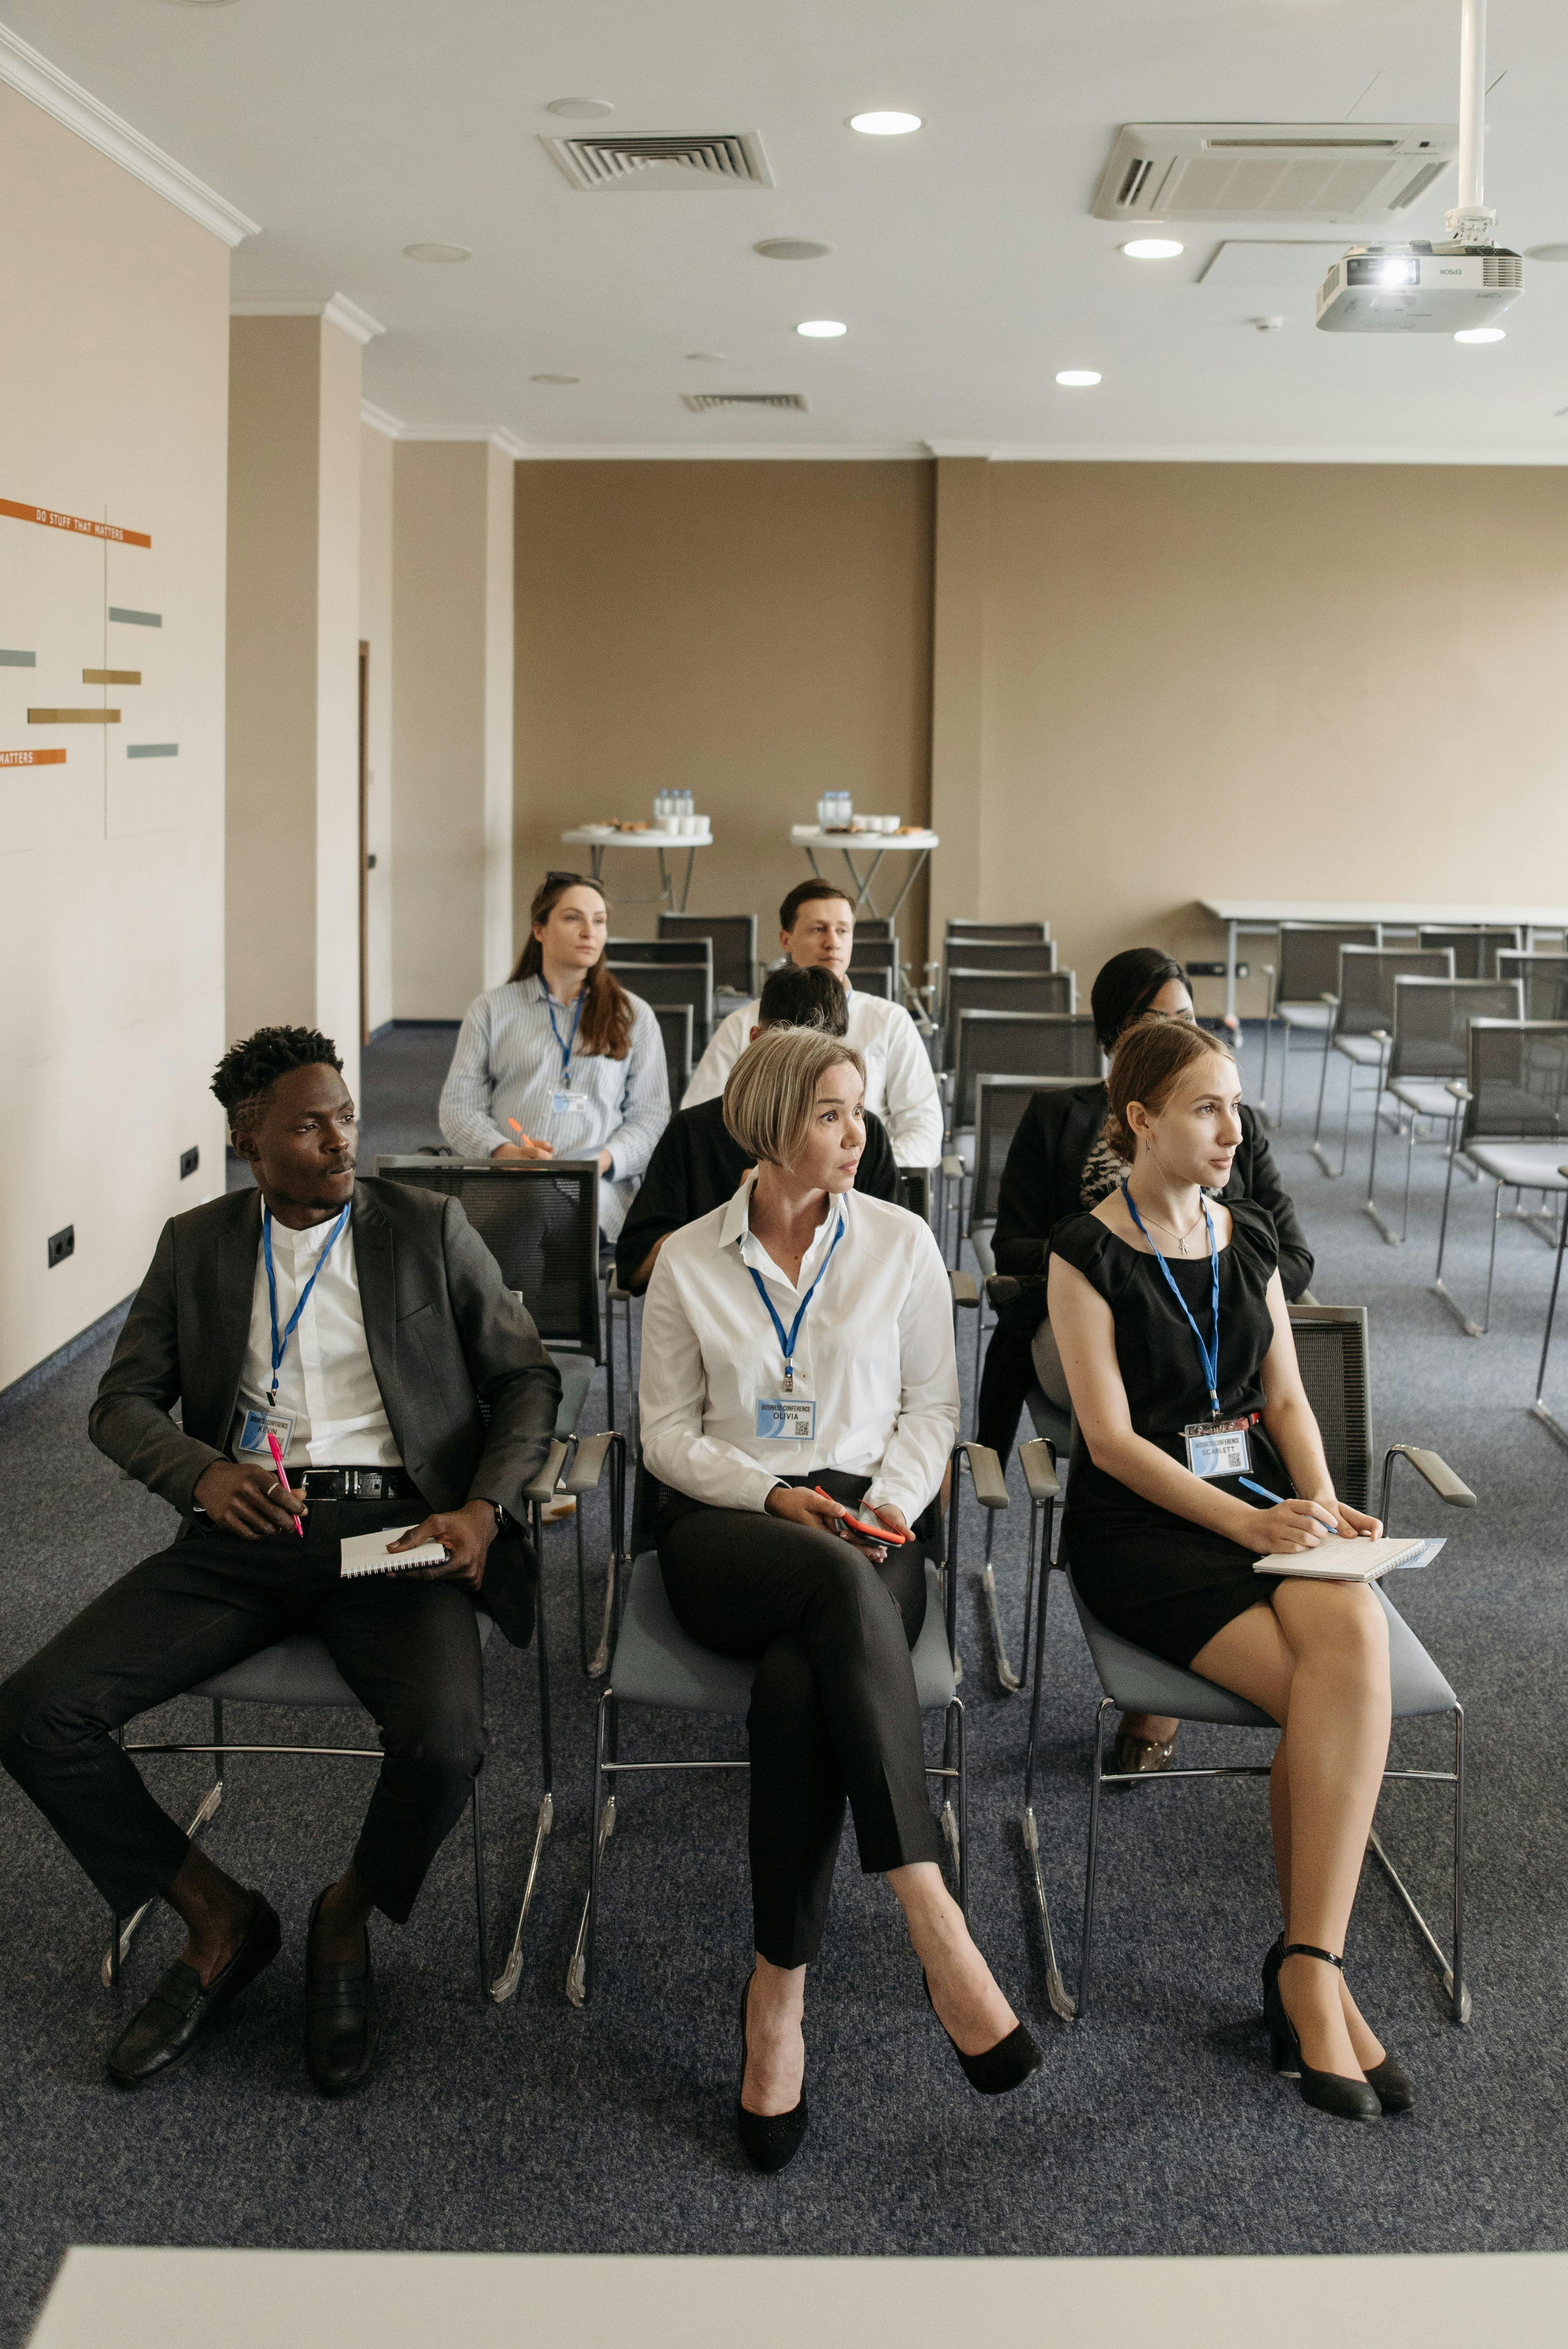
(754, 633)
(375, 631)
(111, 870)
(451, 690)
(1299, 681)
(293, 894)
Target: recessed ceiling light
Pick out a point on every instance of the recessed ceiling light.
(1153, 248)
(555, 379)
(438, 251)
(1546, 251)
(884, 126)
(821, 329)
(790, 248)
(1077, 378)
(708, 356)
(1480, 335)
(580, 109)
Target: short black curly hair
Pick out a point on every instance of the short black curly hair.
(250, 1069)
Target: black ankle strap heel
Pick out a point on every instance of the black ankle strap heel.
(1305, 1949)
(1327, 2092)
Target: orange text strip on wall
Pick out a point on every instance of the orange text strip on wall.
(32, 757)
(78, 523)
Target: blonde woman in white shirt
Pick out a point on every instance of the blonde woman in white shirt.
(802, 1337)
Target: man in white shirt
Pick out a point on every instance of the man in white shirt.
(816, 926)
(354, 1327)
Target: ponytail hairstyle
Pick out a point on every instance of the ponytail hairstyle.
(1150, 1054)
(606, 1024)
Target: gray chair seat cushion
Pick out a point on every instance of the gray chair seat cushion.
(1139, 1683)
(980, 1241)
(1050, 1421)
(297, 1671)
(1364, 1050)
(1304, 1015)
(1533, 1165)
(656, 1663)
(576, 1375)
(1427, 1096)
(964, 1148)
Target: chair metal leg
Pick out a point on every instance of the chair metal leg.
(1091, 1870)
(1470, 1328)
(1370, 1208)
(1538, 1408)
(1451, 1971)
(510, 1974)
(1263, 1079)
(481, 1922)
(956, 1715)
(1322, 1088)
(1007, 1677)
(123, 1932)
(1062, 2000)
(579, 1971)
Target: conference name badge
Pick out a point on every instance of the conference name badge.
(563, 1103)
(257, 1425)
(787, 1419)
(1218, 1447)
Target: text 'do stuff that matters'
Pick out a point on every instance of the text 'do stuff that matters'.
(32, 757)
(79, 524)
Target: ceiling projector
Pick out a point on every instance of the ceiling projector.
(1452, 288)
(1418, 288)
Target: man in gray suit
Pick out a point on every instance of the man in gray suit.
(357, 1327)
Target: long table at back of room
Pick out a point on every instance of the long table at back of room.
(1250, 913)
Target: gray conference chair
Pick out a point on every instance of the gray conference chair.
(732, 938)
(1544, 979)
(958, 931)
(1005, 954)
(1015, 1044)
(658, 1669)
(1331, 1341)
(680, 1056)
(964, 989)
(1428, 1050)
(297, 1674)
(1361, 1014)
(999, 1105)
(1475, 951)
(1514, 1104)
(1055, 1426)
(1306, 972)
(657, 980)
(1538, 1408)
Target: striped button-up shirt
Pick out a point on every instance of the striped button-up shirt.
(507, 1065)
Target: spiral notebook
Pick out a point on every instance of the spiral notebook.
(1357, 1561)
(368, 1553)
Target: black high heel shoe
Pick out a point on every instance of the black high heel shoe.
(1329, 2092)
(769, 2140)
(1389, 2082)
(996, 2071)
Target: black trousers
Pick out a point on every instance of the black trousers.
(408, 1650)
(834, 1711)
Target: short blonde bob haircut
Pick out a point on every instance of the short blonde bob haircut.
(772, 1096)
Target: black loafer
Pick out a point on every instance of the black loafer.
(339, 2018)
(162, 2033)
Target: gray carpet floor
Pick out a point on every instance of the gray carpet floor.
(1156, 2126)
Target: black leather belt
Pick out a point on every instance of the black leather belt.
(360, 1484)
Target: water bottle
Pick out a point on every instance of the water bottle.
(661, 809)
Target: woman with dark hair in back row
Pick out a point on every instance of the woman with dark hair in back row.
(1060, 1163)
(561, 1061)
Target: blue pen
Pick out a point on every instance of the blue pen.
(1262, 1491)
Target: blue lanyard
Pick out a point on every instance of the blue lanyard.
(280, 1345)
(576, 1017)
(1208, 1355)
(788, 1342)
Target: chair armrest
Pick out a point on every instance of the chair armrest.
(953, 1167)
(543, 1484)
(985, 1474)
(1002, 1288)
(616, 1294)
(963, 1290)
(1039, 1470)
(1326, 998)
(1380, 1035)
(589, 1465)
(1434, 1468)
(1458, 1087)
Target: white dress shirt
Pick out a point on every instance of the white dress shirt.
(326, 1379)
(874, 1350)
(507, 1064)
(901, 1084)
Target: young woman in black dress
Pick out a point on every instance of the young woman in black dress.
(1169, 1314)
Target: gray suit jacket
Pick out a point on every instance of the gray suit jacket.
(445, 1335)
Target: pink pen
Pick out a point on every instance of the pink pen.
(276, 1449)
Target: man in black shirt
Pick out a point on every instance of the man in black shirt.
(697, 1163)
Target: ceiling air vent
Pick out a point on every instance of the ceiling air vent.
(699, 403)
(1271, 170)
(701, 159)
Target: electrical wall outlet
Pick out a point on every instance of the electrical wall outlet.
(62, 1243)
(1205, 970)
(188, 1162)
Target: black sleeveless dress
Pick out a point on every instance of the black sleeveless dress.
(1158, 1580)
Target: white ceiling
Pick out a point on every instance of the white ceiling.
(965, 263)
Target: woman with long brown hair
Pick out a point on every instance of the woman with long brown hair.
(561, 1061)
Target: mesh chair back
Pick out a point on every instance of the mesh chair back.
(684, 951)
(1432, 1015)
(541, 1223)
(1004, 991)
(1308, 966)
(1366, 977)
(676, 1028)
(1021, 1044)
(732, 938)
(1331, 1348)
(987, 953)
(874, 954)
(1475, 952)
(1544, 979)
(914, 1191)
(873, 926)
(999, 1103)
(1518, 1081)
(998, 933)
(871, 982)
(673, 982)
